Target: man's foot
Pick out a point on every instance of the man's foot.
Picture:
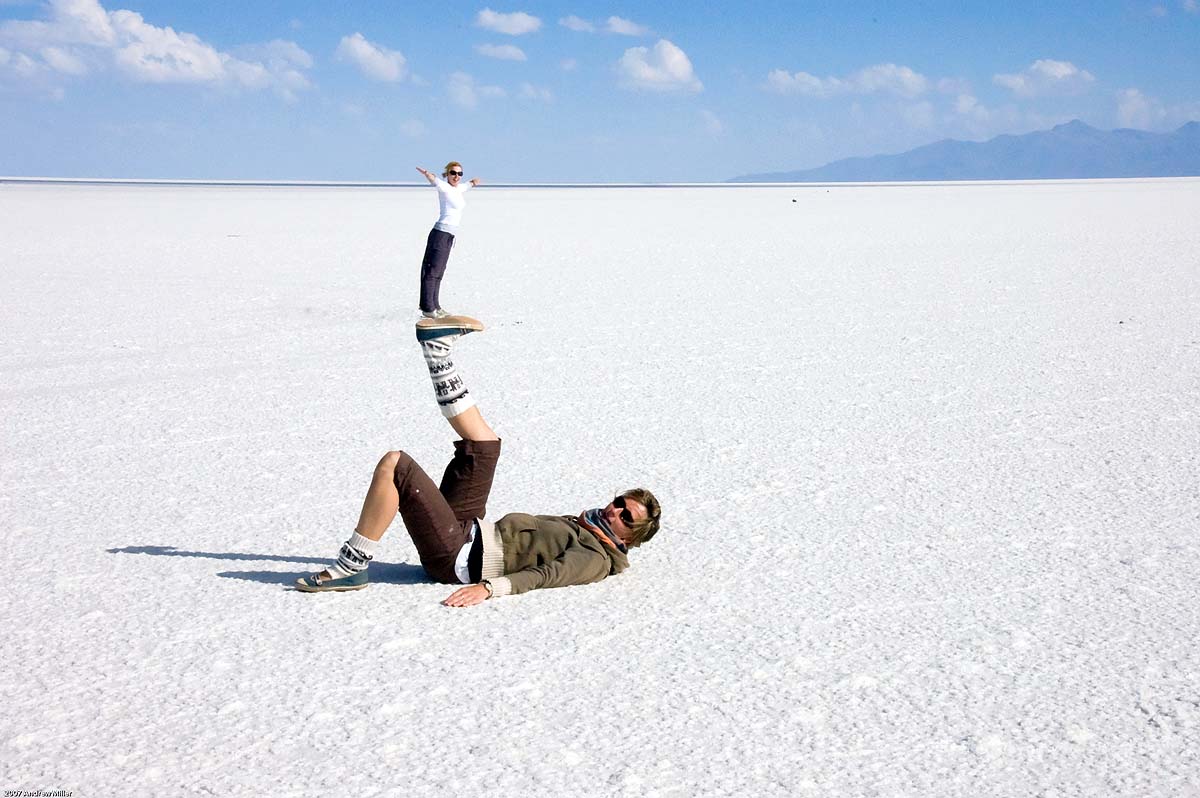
(436, 313)
(324, 583)
(428, 328)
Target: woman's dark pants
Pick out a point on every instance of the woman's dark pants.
(433, 267)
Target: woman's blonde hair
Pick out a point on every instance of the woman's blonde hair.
(450, 166)
(644, 528)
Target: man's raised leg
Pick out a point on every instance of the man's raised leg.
(467, 481)
(470, 426)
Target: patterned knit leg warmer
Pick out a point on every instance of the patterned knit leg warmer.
(355, 556)
(448, 385)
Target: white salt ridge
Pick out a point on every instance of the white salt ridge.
(927, 456)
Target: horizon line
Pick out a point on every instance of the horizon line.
(252, 183)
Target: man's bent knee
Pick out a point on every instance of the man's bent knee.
(397, 466)
(391, 461)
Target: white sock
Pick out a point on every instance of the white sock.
(448, 385)
(355, 556)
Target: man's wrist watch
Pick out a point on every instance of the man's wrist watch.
(488, 586)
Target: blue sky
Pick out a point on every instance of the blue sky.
(571, 91)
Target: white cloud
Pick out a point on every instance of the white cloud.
(375, 61)
(785, 82)
(466, 93)
(75, 22)
(413, 128)
(1046, 77)
(1191, 6)
(625, 27)
(161, 55)
(880, 78)
(1136, 110)
(63, 61)
(1158, 11)
(977, 120)
(505, 52)
(577, 24)
(568, 64)
(614, 24)
(514, 24)
(919, 115)
(284, 60)
(278, 53)
(664, 67)
(80, 34)
(530, 92)
(892, 79)
(19, 64)
(954, 86)
(712, 122)
(967, 105)
(461, 90)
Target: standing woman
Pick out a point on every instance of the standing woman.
(451, 200)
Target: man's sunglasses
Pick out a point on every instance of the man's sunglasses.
(626, 516)
(452, 172)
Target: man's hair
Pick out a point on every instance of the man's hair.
(450, 166)
(644, 528)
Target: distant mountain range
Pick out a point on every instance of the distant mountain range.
(1071, 150)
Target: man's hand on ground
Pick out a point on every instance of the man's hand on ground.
(468, 596)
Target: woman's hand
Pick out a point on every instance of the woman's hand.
(428, 175)
(475, 181)
(468, 596)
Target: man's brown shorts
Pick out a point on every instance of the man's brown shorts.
(439, 519)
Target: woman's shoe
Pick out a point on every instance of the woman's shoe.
(428, 328)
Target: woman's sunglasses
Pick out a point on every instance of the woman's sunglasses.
(626, 516)
(452, 172)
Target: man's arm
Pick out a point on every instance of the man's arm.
(575, 566)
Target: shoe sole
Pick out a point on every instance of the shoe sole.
(309, 589)
(450, 323)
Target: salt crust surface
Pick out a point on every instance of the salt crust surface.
(928, 458)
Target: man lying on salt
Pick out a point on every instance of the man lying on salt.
(456, 545)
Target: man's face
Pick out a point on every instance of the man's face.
(622, 511)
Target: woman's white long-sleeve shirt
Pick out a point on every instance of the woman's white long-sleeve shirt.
(451, 203)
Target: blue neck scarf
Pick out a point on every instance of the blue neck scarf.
(595, 517)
